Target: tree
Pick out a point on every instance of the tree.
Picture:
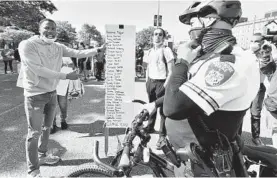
(65, 31)
(88, 33)
(16, 36)
(24, 14)
(144, 37)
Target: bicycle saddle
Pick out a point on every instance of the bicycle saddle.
(266, 154)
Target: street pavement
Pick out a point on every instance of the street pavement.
(86, 124)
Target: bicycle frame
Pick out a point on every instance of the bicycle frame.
(156, 163)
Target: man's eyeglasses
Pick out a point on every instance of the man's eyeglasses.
(158, 34)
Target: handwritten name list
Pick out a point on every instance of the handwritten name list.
(119, 84)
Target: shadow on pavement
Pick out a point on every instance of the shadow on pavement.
(247, 137)
(55, 148)
(95, 129)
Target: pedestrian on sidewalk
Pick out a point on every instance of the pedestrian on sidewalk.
(41, 64)
(7, 55)
(159, 60)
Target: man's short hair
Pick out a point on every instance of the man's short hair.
(48, 20)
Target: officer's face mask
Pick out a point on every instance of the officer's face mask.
(210, 38)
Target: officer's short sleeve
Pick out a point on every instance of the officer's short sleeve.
(216, 84)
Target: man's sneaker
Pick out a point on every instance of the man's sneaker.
(49, 160)
(64, 125)
(257, 141)
(35, 173)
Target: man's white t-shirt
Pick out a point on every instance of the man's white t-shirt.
(156, 66)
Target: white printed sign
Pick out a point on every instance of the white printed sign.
(120, 75)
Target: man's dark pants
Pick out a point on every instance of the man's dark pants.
(255, 110)
(99, 69)
(155, 89)
(10, 62)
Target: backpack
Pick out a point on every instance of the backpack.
(75, 89)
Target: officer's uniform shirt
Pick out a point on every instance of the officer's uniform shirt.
(225, 82)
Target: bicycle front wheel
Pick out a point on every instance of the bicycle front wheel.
(90, 170)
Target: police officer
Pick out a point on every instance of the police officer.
(222, 80)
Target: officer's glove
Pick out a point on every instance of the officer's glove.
(187, 52)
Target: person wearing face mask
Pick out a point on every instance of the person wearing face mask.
(41, 59)
(266, 54)
(159, 60)
(213, 81)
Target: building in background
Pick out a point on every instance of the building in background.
(244, 30)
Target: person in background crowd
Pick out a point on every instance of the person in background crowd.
(88, 63)
(100, 60)
(16, 55)
(74, 60)
(139, 55)
(82, 62)
(41, 60)
(18, 59)
(62, 96)
(7, 55)
(159, 60)
(267, 68)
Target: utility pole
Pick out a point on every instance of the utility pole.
(254, 24)
(158, 14)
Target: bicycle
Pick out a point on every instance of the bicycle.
(223, 166)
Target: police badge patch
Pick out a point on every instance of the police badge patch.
(218, 73)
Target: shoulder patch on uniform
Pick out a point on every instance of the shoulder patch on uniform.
(227, 58)
(218, 73)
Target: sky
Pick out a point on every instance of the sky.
(141, 13)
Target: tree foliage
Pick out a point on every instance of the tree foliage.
(16, 36)
(144, 37)
(24, 14)
(65, 31)
(88, 33)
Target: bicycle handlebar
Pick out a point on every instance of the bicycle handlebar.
(132, 133)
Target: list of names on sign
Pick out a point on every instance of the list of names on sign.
(119, 75)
